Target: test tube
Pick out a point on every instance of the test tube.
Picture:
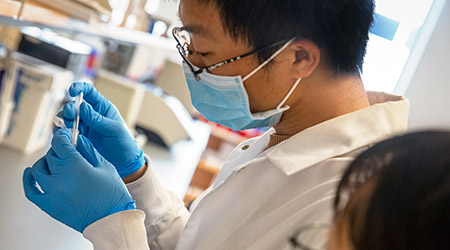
(59, 122)
(75, 131)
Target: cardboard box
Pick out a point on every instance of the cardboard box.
(38, 89)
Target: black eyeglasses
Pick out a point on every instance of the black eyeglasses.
(311, 237)
(183, 39)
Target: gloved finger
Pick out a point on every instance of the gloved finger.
(55, 129)
(55, 165)
(88, 151)
(94, 120)
(30, 188)
(60, 114)
(62, 146)
(69, 111)
(41, 174)
(42, 166)
(68, 123)
(83, 128)
(91, 95)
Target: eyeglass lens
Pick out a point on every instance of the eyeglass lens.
(184, 40)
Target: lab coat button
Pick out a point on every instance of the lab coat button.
(245, 147)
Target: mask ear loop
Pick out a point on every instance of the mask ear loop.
(289, 94)
(268, 60)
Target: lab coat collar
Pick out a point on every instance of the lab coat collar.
(387, 116)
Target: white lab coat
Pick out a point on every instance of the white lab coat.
(261, 195)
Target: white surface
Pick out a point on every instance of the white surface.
(429, 89)
(24, 226)
(419, 46)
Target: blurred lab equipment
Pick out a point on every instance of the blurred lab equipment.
(163, 118)
(118, 56)
(33, 93)
(6, 87)
(56, 49)
(172, 81)
(90, 11)
(125, 94)
(136, 54)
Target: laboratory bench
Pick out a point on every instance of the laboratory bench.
(24, 226)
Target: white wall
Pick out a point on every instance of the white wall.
(429, 89)
(168, 10)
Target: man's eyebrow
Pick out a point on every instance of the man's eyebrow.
(197, 30)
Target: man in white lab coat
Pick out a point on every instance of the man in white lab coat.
(292, 65)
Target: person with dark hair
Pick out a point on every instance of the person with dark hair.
(291, 65)
(396, 195)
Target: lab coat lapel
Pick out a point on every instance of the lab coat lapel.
(387, 116)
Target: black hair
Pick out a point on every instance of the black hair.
(409, 206)
(339, 28)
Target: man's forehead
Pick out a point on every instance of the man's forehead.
(199, 19)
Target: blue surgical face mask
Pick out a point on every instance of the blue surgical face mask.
(224, 100)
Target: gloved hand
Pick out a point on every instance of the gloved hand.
(79, 187)
(102, 124)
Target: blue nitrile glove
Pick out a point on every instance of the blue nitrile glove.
(102, 124)
(79, 187)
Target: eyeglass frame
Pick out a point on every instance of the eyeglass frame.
(183, 48)
(295, 244)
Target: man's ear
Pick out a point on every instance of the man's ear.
(306, 57)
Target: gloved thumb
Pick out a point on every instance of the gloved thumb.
(30, 186)
(94, 120)
(88, 151)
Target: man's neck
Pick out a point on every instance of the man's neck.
(319, 98)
